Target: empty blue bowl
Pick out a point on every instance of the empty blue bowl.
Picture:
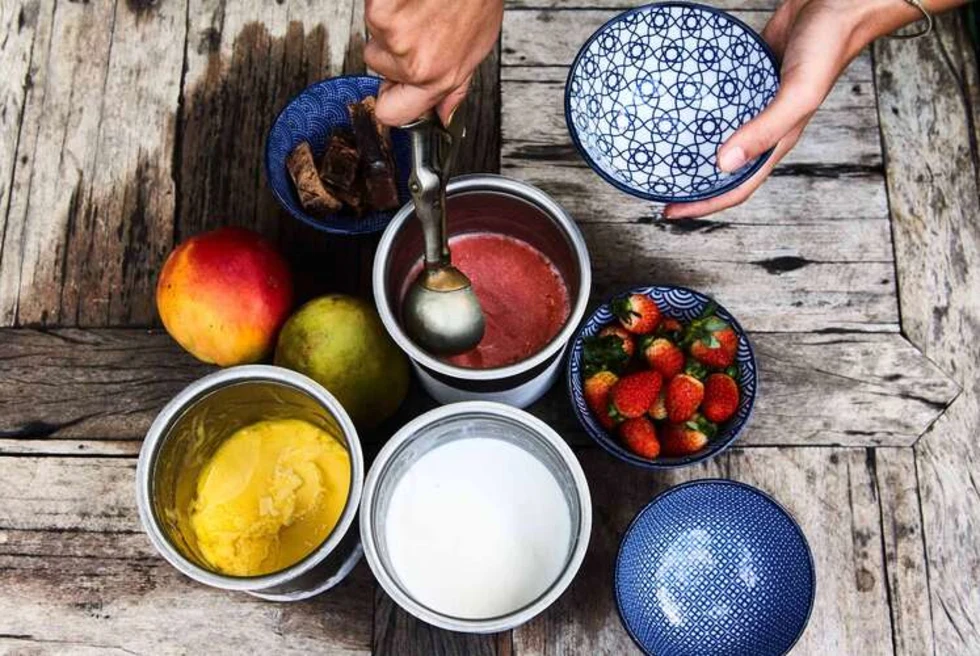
(714, 568)
(312, 116)
(684, 305)
(655, 91)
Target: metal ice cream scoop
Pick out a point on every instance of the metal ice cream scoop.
(440, 311)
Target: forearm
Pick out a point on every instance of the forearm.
(882, 17)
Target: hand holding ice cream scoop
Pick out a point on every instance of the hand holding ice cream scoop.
(441, 311)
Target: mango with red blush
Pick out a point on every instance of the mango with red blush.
(223, 296)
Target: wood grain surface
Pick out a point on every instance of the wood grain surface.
(107, 385)
(928, 103)
(128, 125)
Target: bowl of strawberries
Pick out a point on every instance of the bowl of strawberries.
(662, 377)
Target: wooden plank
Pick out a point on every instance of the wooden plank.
(829, 491)
(844, 132)
(396, 633)
(780, 287)
(928, 100)
(91, 390)
(18, 33)
(552, 37)
(905, 560)
(77, 571)
(70, 447)
(791, 196)
(480, 151)
(90, 220)
(28, 135)
(88, 383)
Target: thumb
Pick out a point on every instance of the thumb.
(791, 106)
(448, 105)
(399, 104)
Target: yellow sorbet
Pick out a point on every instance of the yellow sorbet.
(269, 496)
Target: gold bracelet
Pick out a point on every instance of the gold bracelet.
(924, 30)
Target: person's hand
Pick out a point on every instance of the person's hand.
(427, 50)
(816, 40)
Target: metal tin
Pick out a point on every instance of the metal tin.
(458, 421)
(486, 203)
(186, 433)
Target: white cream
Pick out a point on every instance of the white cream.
(477, 528)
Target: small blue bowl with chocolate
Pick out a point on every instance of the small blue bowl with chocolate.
(331, 164)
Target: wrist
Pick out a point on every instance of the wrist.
(878, 18)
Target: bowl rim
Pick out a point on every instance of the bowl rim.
(735, 180)
(323, 226)
(519, 616)
(742, 487)
(155, 438)
(498, 184)
(609, 443)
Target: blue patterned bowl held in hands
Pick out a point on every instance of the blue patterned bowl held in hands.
(684, 305)
(312, 116)
(655, 91)
(714, 568)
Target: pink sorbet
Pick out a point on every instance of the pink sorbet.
(525, 301)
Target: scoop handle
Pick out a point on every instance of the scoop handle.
(434, 150)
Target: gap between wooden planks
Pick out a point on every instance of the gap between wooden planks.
(108, 384)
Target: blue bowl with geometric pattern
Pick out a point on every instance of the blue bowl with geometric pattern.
(656, 90)
(684, 305)
(714, 568)
(312, 116)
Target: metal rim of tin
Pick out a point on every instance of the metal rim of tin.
(525, 192)
(416, 428)
(158, 431)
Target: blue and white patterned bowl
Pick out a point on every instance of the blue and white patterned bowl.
(311, 116)
(714, 568)
(684, 305)
(655, 91)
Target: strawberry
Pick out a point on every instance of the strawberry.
(688, 437)
(659, 408)
(625, 339)
(633, 395)
(637, 313)
(640, 437)
(684, 394)
(671, 328)
(720, 397)
(711, 341)
(605, 353)
(663, 355)
(596, 393)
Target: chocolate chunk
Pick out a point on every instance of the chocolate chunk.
(313, 195)
(339, 168)
(339, 165)
(376, 164)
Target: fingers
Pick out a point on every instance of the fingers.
(776, 32)
(740, 194)
(447, 106)
(382, 61)
(793, 103)
(399, 104)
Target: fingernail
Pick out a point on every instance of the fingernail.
(731, 159)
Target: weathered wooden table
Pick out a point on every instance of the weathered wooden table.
(127, 125)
